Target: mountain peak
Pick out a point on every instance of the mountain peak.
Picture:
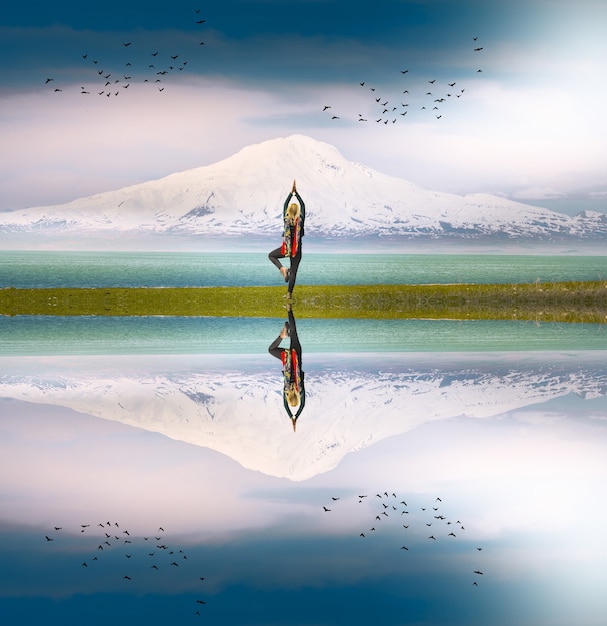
(240, 413)
(243, 195)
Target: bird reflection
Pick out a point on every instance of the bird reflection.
(136, 565)
(414, 536)
(294, 394)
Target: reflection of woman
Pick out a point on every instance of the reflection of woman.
(294, 216)
(294, 393)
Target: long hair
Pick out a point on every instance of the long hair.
(293, 396)
(293, 212)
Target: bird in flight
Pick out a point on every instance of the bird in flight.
(326, 509)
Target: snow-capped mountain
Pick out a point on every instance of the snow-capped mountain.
(240, 413)
(243, 195)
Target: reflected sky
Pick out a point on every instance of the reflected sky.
(508, 447)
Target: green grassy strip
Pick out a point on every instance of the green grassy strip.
(564, 302)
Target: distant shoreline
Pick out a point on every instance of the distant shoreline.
(571, 302)
(313, 245)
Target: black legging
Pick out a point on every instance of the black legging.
(277, 254)
(275, 351)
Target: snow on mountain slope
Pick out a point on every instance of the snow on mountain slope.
(244, 195)
(242, 416)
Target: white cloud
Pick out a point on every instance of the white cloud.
(538, 193)
(60, 146)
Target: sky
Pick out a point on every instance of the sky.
(269, 552)
(529, 126)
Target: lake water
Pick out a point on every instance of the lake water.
(33, 335)
(138, 269)
(460, 435)
(54, 335)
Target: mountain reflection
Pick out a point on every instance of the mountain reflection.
(294, 393)
(232, 404)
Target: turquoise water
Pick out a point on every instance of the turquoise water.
(164, 269)
(118, 335)
(30, 335)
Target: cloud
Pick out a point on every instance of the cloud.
(538, 193)
(57, 147)
(520, 125)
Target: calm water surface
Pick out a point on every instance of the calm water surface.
(491, 434)
(136, 269)
(44, 335)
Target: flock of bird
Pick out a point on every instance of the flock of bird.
(148, 557)
(426, 523)
(157, 67)
(152, 67)
(390, 111)
(144, 556)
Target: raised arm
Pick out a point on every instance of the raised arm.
(302, 397)
(302, 205)
(286, 205)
